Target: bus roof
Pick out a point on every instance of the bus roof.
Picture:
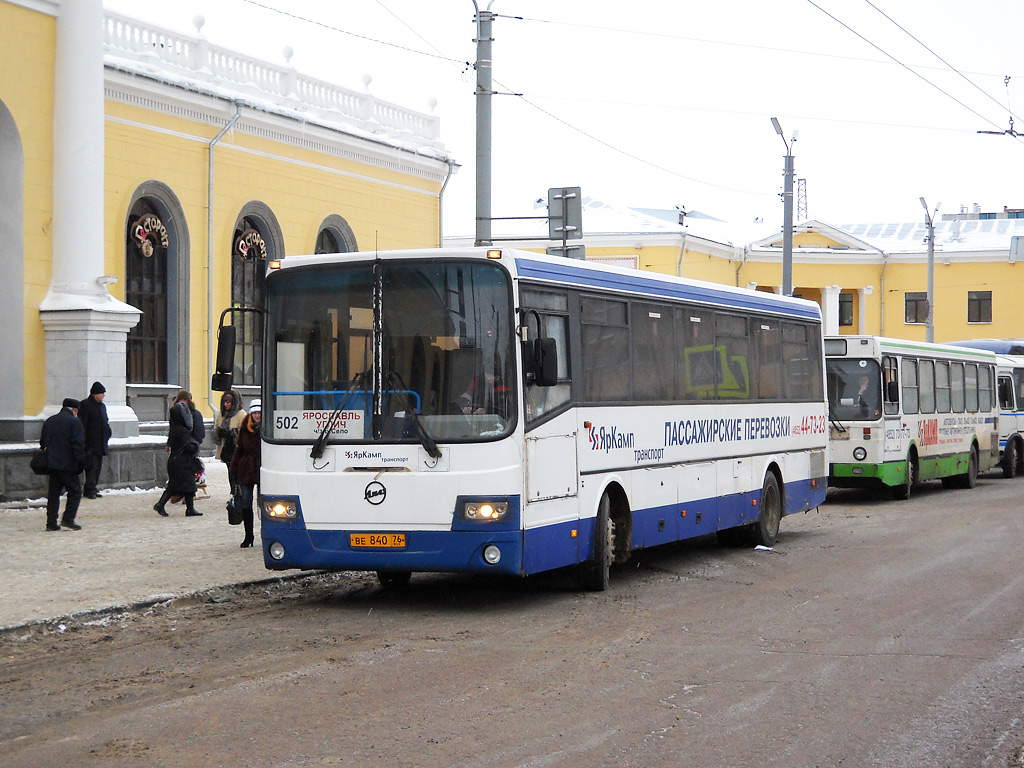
(558, 270)
(875, 346)
(999, 346)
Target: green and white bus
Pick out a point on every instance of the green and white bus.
(902, 412)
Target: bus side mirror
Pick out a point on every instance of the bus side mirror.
(892, 391)
(545, 362)
(223, 377)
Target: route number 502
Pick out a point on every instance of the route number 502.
(286, 422)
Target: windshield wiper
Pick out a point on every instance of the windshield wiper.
(428, 443)
(321, 441)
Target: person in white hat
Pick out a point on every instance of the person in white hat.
(245, 465)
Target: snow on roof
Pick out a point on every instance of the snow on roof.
(950, 235)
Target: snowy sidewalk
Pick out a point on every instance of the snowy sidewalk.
(124, 554)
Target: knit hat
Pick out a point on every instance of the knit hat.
(97, 389)
(69, 402)
(255, 406)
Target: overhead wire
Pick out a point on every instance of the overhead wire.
(952, 68)
(897, 61)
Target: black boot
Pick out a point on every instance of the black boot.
(190, 509)
(159, 506)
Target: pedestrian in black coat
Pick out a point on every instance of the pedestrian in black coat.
(92, 412)
(63, 439)
(182, 450)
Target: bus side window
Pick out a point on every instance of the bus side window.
(551, 308)
(1005, 393)
(985, 401)
(910, 390)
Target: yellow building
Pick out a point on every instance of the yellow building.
(148, 176)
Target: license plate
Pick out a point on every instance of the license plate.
(387, 540)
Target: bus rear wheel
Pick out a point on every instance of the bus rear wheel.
(594, 574)
(766, 530)
(970, 478)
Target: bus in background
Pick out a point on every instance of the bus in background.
(498, 411)
(902, 412)
(1010, 390)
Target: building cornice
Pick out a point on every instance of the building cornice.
(213, 110)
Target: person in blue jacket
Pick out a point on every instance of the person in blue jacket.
(63, 440)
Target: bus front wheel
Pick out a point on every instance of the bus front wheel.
(393, 579)
(766, 529)
(594, 573)
(1010, 459)
(903, 491)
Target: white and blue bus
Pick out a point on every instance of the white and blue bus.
(499, 411)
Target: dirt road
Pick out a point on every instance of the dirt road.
(877, 633)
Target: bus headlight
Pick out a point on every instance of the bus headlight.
(485, 510)
(280, 509)
(492, 555)
(859, 453)
(276, 550)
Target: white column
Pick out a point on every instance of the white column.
(78, 150)
(830, 309)
(862, 305)
(86, 328)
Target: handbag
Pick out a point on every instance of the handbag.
(39, 463)
(234, 509)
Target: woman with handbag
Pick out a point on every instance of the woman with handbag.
(182, 452)
(225, 430)
(245, 465)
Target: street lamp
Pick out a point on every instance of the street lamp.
(787, 219)
(930, 223)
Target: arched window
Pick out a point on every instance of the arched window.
(256, 240)
(335, 236)
(147, 288)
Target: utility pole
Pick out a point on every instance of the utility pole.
(787, 217)
(930, 223)
(484, 91)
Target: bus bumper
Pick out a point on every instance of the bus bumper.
(291, 545)
(892, 473)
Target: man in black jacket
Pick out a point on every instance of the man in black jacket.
(63, 439)
(93, 415)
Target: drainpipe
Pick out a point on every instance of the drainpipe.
(743, 260)
(682, 251)
(881, 292)
(440, 207)
(209, 258)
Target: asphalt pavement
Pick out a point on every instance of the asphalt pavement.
(125, 554)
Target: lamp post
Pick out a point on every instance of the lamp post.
(787, 219)
(930, 223)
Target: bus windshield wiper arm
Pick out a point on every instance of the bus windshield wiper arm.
(321, 441)
(429, 445)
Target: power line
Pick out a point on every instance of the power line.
(951, 67)
(906, 67)
(368, 39)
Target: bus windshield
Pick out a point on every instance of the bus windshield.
(390, 351)
(854, 391)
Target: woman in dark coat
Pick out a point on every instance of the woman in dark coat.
(245, 465)
(181, 472)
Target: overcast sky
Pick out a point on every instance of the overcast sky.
(657, 103)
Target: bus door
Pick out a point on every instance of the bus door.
(897, 433)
